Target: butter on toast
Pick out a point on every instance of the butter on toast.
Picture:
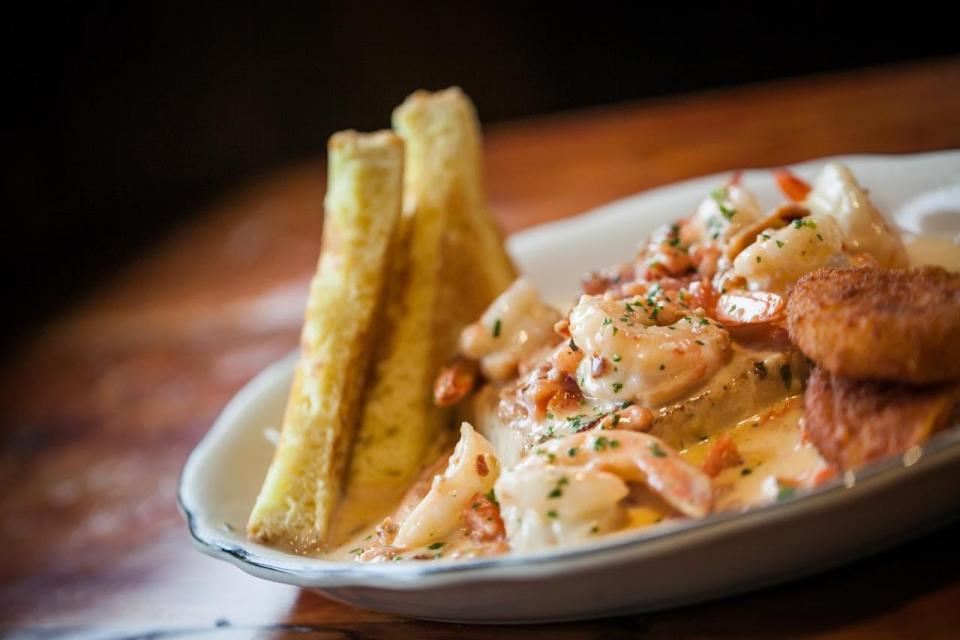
(360, 231)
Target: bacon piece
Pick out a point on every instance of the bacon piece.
(723, 454)
(454, 382)
(482, 520)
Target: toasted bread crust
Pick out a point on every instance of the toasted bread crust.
(363, 202)
(852, 423)
(878, 324)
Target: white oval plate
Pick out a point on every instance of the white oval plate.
(631, 572)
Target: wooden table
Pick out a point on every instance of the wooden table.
(101, 410)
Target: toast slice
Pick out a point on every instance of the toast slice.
(361, 223)
(452, 264)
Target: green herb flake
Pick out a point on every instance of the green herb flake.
(356, 551)
(600, 444)
(496, 328)
(746, 471)
(780, 244)
(720, 197)
(616, 357)
(551, 514)
(606, 321)
(786, 493)
(657, 451)
(572, 451)
(556, 493)
(436, 545)
(617, 386)
(614, 444)
(492, 497)
(759, 259)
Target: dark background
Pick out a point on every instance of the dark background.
(128, 117)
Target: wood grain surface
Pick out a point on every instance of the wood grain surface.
(100, 411)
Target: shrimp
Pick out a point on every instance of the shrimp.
(721, 215)
(665, 255)
(516, 325)
(780, 256)
(836, 193)
(641, 361)
(473, 468)
(571, 488)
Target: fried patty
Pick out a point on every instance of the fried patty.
(871, 323)
(852, 423)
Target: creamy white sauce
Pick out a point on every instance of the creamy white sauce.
(939, 250)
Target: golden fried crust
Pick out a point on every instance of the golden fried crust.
(852, 423)
(871, 323)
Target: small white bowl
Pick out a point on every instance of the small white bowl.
(662, 567)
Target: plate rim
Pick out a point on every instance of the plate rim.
(405, 576)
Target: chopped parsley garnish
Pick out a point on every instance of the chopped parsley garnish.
(492, 497)
(496, 328)
(616, 357)
(700, 342)
(549, 416)
(759, 259)
(617, 386)
(819, 237)
(746, 471)
(615, 420)
(556, 493)
(799, 223)
(653, 292)
(785, 493)
(780, 244)
(704, 321)
(573, 345)
(614, 444)
(720, 197)
(657, 451)
(572, 451)
(551, 514)
(436, 545)
(614, 331)
(600, 443)
(356, 551)
(786, 375)
(606, 321)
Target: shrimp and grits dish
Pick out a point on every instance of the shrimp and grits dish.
(743, 357)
